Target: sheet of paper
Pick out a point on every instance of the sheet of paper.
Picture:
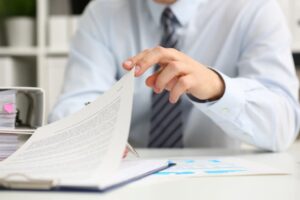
(132, 168)
(81, 149)
(224, 166)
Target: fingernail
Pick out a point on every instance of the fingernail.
(128, 62)
(137, 69)
(156, 90)
(173, 101)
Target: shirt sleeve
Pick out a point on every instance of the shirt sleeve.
(260, 105)
(91, 69)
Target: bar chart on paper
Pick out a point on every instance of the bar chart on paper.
(225, 166)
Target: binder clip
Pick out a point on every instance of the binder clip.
(21, 181)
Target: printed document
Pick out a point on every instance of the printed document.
(85, 149)
(218, 166)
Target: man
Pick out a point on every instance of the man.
(222, 75)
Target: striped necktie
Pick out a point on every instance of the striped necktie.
(166, 122)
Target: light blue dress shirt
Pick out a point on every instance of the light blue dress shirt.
(246, 41)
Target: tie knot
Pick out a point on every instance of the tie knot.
(169, 24)
(168, 18)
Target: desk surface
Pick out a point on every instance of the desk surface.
(285, 187)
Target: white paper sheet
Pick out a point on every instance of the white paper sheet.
(132, 168)
(83, 149)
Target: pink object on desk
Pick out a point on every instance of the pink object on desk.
(8, 107)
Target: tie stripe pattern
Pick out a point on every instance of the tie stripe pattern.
(166, 122)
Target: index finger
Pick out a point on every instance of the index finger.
(130, 62)
(157, 55)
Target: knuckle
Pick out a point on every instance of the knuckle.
(159, 49)
(172, 50)
(175, 66)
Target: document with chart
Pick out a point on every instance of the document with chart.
(83, 151)
(217, 166)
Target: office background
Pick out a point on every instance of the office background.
(34, 49)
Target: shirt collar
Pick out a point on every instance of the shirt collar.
(183, 10)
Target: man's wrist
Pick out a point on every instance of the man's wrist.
(219, 89)
(219, 86)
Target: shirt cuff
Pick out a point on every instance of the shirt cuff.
(229, 105)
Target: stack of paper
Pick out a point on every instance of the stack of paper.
(10, 137)
(9, 143)
(8, 109)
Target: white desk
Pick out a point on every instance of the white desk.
(285, 187)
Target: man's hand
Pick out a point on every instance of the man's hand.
(178, 74)
(125, 152)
